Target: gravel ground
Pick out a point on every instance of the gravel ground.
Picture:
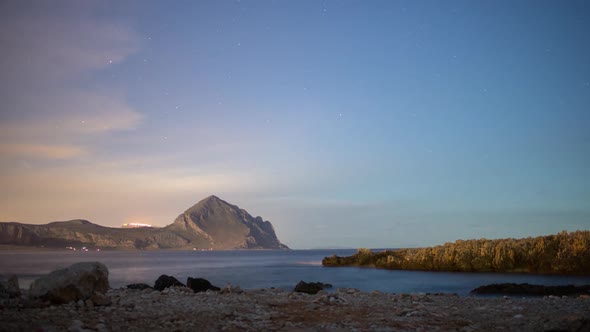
(179, 309)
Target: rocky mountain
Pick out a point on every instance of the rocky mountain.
(211, 223)
(223, 225)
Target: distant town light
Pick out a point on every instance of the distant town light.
(135, 225)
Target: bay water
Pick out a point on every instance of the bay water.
(258, 269)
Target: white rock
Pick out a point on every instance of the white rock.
(77, 282)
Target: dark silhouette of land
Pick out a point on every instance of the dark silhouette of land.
(212, 223)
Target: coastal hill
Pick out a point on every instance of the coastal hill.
(210, 224)
(563, 253)
(218, 224)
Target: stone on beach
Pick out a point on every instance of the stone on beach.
(165, 281)
(310, 287)
(140, 286)
(200, 285)
(532, 290)
(80, 281)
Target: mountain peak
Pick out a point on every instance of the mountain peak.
(225, 225)
(208, 203)
(212, 199)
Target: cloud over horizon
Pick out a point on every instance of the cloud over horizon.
(48, 54)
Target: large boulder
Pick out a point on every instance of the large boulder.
(165, 281)
(77, 282)
(9, 287)
(200, 285)
(310, 287)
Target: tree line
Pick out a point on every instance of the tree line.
(562, 253)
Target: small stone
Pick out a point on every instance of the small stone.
(100, 299)
(140, 286)
(76, 326)
(310, 287)
(519, 316)
(101, 328)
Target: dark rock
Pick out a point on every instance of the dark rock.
(310, 287)
(531, 290)
(200, 285)
(77, 282)
(165, 281)
(9, 287)
(139, 286)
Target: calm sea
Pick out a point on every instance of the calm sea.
(256, 269)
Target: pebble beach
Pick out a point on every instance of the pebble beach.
(233, 309)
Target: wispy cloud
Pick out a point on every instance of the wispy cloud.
(40, 151)
(49, 51)
(41, 45)
(71, 112)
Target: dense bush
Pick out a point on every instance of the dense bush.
(563, 253)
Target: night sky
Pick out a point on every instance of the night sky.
(344, 123)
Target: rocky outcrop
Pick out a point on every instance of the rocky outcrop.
(165, 281)
(210, 224)
(310, 287)
(80, 281)
(531, 290)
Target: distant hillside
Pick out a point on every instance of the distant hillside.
(211, 223)
(563, 253)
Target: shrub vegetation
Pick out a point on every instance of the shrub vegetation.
(563, 253)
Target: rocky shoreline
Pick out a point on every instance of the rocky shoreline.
(78, 299)
(180, 309)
